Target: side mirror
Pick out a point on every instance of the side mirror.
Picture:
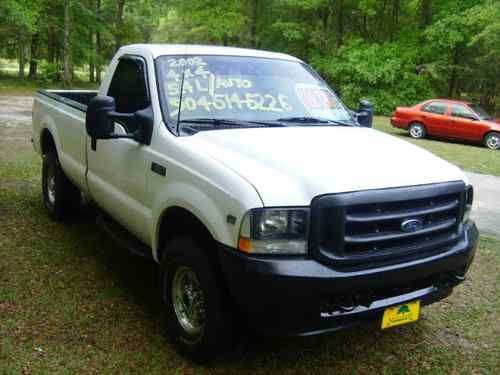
(365, 113)
(101, 116)
(97, 121)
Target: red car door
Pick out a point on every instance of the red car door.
(434, 117)
(466, 124)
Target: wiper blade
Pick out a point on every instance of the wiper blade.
(312, 120)
(304, 119)
(221, 122)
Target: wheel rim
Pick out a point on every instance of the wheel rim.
(51, 186)
(188, 301)
(493, 142)
(416, 131)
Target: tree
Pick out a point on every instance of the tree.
(35, 38)
(120, 4)
(98, 44)
(425, 13)
(394, 52)
(66, 43)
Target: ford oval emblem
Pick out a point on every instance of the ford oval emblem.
(411, 225)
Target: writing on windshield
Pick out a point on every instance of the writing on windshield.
(250, 89)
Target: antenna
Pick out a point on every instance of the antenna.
(182, 90)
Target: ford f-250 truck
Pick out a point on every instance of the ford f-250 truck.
(264, 202)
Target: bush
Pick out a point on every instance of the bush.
(386, 74)
(50, 72)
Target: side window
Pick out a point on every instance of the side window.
(435, 107)
(458, 110)
(128, 86)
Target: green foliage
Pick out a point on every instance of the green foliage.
(50, 72)
(392, 52)
(383, 73)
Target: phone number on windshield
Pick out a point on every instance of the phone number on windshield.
(221, 102)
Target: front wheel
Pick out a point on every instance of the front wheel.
(417, 130)
(199, 316)
(492, 141)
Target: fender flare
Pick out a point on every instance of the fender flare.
(197, 203)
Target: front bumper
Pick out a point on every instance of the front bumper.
(295, 297)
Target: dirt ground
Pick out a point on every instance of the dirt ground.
(15, 122)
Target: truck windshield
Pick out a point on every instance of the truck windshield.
(248, 90)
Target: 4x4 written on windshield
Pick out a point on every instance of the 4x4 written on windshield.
(204, 90)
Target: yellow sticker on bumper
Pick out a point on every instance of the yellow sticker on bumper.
(401, 314)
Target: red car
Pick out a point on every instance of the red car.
(449, 119)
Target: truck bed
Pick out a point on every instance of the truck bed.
(62, 113)
(77, 99)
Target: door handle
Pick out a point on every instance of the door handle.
(158, 168)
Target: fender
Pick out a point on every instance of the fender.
(198, 203)
(47, 124)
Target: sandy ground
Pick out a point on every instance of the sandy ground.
(486, 209)
(15, 135)
(15, 122)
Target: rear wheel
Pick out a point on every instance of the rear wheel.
(492, 141)
(60, 197)
(417, 130)
(199, 317)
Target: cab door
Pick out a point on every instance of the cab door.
(117, 168)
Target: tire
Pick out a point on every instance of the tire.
(60, 197)
(188, 282)
(492, 141)
(417, 130)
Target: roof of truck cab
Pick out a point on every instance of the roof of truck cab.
(196, 49)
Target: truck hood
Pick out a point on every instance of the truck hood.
(290, 166)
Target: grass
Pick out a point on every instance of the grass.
(10, 84)
(472, 158)
(71, 302)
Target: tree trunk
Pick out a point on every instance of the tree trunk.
(324, 16)
(119, 24)
(66, 44)
(98, 45)
(379, 32)
(253, 24)
(339, 10)
(365, 26)
(34, 55)
(92, 58)
(452, 83)
(396, 6)
(21, 56)
(51, 44)
(425, 13)
(51, 33)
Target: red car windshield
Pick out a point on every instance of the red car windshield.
(480, 112)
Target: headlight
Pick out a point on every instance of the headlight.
(469, 197)
(274, 231)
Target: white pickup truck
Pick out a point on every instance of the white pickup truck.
(265, 203)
